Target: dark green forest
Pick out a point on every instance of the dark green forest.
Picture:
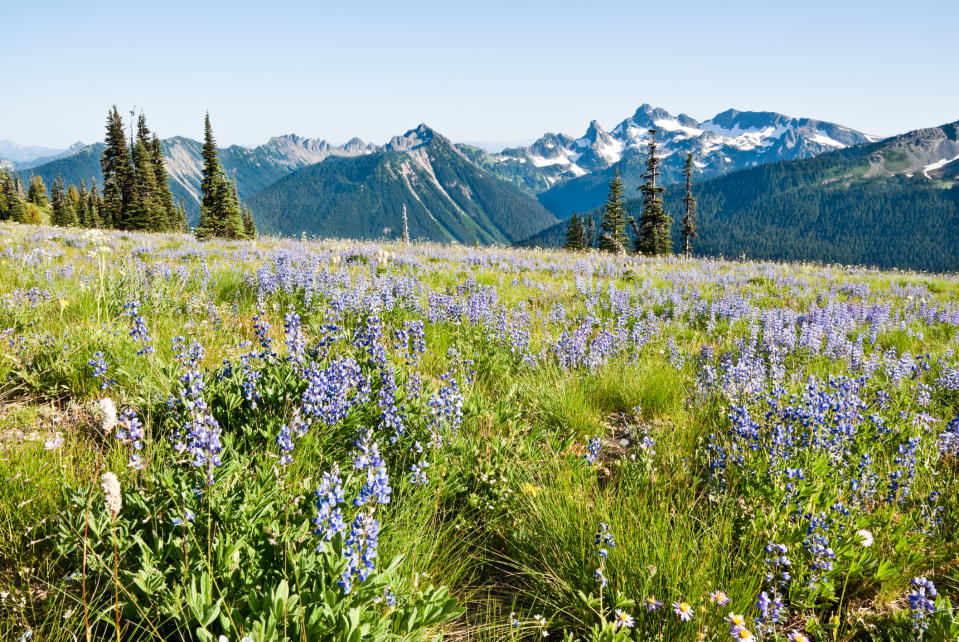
(818, 209)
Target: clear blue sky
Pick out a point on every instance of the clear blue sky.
(484, 71)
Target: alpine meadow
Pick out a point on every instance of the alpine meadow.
(627, 374)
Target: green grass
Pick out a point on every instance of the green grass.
(508, 519)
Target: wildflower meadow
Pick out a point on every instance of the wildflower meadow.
(289, 440)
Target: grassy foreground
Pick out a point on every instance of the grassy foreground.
(283, 440)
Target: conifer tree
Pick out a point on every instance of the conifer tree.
(164, 195)
(219, 207)
(612, 237)
(37, 192)
(60, 214)
(18, 186)
(96, 207)
(83, 205)
(74, 213)
(249, 226)
(31, 214)
(590, 233)
(5, 180)
(181, 224)
(653, 236)
(16, 208)
(575, 234)
(144, 211)
(117, 173)
(59, 203)
(689, 202)
(246, 214)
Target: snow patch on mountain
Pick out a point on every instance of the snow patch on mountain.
(674, 126)
(539, 161)
(822, 139)
(938, 164)
(729, 141)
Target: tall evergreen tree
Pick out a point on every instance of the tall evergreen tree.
(689, 203)
(117, 173)
(144, 211)
(16, 207)
(575, 234)
(246, 214)
(5, 182)
(18, 186)
(590, 233)
(249, 226)
(181, 224)
(60, 214)
(74, 212)
(37, 192)
(612, 236)
(83, 205)
(653, 236)
(220, 214)
(96, 206)
(164, 195)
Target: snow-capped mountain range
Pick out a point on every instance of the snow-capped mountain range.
(566, 174)
(727, 142)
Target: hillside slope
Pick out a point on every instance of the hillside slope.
(894, 203)
(447, 197)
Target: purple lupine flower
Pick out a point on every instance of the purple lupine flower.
(329, 517)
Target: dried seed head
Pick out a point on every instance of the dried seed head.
(109, 411)
(111, 494)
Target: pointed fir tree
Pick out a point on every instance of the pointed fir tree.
(5, 180)
(37, 192)
(145, 211)
(16, 207)
(164, 195)
(612, 236)
(59, 214)
(18, 186)
(575, 234)
(249, 226)
(74, 213)
(246, 214)
(83, 205)
(654, 237)
(96, 206)
(590, 233)
(689, 202)
(219, 209)
(117, 173)
(181, 224)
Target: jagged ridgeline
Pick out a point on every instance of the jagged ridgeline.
(446, 196)
(356, 190)
(894, 203)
